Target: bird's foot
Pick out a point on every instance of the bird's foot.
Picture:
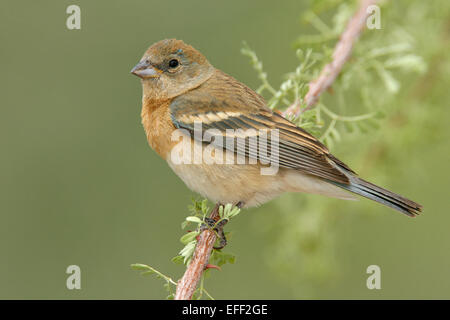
(217, 227)
(212, 224)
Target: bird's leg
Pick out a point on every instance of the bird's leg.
(209, 224)
(221, 234)
(214, 223)
(217, 227)
(210, 221)
(239, 204)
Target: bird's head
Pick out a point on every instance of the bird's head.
(170, 67)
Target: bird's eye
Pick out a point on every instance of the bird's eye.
(173, 63)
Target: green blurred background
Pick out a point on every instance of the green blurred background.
(79, 185)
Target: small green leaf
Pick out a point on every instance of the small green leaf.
(234, 212)
(336, 134)
(204, 206)
(194, 219)
(362, 127)
(407, 62)
(220, 258)
(178, 259)
(188, 250)
(167, 286)
(188, 237)
(184, 224)
(140, 267)
(380, 115)
(390, 82)
(373, 123)
(348, 126)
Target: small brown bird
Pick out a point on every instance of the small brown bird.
(182, 89)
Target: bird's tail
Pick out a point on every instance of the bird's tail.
(383, 196)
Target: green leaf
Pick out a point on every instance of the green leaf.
(188, 237)
(178, 259)
(226, 210)
(395, 48)
(194, 219)
(220, 258)
(391, 84)
(188, 250)
(204, 206)
(140, 267)
(373, 123)
(229, 258)
(362, 127)
(335, 134)
(409, 62)
(167, 286)
(184, 224)
(348, 126)
(340, 19)
(234, 212)
(380, 115)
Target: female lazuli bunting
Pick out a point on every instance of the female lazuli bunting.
(182, 90)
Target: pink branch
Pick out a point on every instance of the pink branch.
(341, 54)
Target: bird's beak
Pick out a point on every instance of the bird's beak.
(145, 70)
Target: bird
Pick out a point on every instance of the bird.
(182, 90)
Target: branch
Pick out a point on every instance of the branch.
(187, 285)
(341, 54)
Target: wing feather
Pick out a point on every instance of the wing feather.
(234, 106)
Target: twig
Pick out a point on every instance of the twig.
(341, 54)
(187, 285)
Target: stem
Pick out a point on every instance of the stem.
(207, 293)
(168, 279)
(330, 127)
(337, 117)
(341, 54)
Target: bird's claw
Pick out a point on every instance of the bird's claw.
(211, 224)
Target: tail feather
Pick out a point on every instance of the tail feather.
(383, 196)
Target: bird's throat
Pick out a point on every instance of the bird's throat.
(157, 125)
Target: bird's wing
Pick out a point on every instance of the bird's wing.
(234, 106)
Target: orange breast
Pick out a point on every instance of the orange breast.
(158, 126)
